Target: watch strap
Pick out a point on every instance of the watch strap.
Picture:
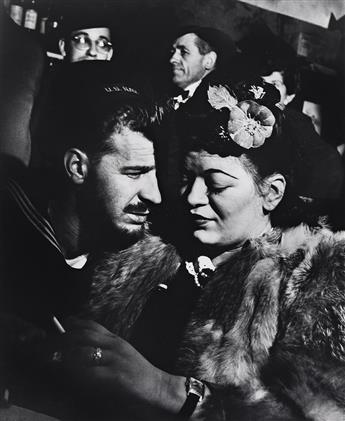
(195, 390)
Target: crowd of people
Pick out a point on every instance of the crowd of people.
(167, 253)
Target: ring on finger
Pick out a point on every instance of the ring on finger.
(97, 355)
(57, 357)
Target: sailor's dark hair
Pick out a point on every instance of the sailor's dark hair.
(83, 110)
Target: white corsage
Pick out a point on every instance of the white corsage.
(200, 270)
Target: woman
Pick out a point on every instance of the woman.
(249, 305)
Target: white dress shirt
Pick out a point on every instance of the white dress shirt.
(178, 100)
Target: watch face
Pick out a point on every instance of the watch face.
(195, 387)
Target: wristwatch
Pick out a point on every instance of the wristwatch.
(195, 390)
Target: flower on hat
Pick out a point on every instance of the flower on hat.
(249, 123)
(219, 97)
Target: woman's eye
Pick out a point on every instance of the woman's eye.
(216, 188)
(217, 184)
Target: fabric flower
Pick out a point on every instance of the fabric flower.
(219, 97)
(257, 91)
(250, 124)
(200, 270)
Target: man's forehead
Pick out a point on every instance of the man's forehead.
(96, 32)
(185, 39)
(130, 144)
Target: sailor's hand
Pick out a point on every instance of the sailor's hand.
(104, 365)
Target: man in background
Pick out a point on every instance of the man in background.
(198, 55)
(86, 38)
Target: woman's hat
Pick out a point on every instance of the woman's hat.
(314, 165)
(318, 168)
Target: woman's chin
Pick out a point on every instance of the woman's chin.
(205, 238)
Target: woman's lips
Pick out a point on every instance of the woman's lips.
(198, 216)
(199, 219)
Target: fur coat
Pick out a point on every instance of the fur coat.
(268, 332)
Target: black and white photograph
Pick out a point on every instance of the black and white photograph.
(172, 210)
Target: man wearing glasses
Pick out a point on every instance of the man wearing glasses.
(86, 41)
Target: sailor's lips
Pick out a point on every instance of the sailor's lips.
(138, 217)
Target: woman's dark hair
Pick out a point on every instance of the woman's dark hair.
(208, 132)
(288, 71)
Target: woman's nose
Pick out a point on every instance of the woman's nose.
(197, 194)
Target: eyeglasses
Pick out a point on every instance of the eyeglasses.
(83, 43)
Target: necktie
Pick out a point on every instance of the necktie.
(180, 92)
(180, 98)
(184, 94)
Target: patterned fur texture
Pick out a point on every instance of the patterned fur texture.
(122, 282)
(268, 331)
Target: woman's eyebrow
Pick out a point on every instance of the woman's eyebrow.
(217, 170)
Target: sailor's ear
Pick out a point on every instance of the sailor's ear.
(76, 164)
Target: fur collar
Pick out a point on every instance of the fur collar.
(268, 328)
(123, 282)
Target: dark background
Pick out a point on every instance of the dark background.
(142, 31)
